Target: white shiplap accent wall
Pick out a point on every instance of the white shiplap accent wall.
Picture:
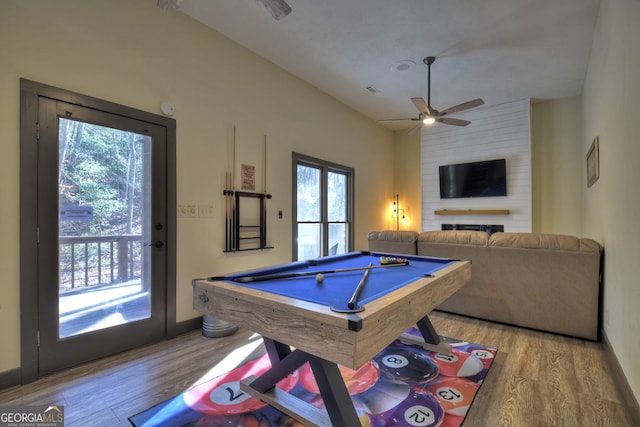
(501, 131)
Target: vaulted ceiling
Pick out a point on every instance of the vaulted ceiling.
(369, 53)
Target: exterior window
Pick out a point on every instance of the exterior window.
(323, 208)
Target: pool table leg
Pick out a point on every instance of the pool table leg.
(428, 331)
(276, 350)
(339, 406)
(430, 338)
(283, 362)
(334, 393)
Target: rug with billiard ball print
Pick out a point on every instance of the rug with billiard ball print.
(404, 385)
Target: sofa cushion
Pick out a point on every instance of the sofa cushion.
(462, 237)
(397, 235)
(393, 241)
(542, 241)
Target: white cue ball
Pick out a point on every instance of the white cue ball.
(319, 277)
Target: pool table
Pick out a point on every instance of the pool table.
(303, 319)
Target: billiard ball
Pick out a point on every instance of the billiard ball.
(454, 394)
(406, 364)
(386, 260)
(224, 398)
(357, 381)
(419, 409)
(485, 354)
(222, 395)
(458, 364)
(319, 277)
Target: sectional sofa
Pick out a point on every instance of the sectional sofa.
(547, 282)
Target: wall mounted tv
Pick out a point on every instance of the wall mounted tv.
(477, 179)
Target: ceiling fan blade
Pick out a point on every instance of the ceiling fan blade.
(461, 107)
(454, 122)
(169, 4)
(278, 8)
(414, 129)
(421, 105)
(393, 120)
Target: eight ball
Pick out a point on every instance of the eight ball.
(404, 364)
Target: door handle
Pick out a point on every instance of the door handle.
(157, 244)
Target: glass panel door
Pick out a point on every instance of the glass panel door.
(102, 215)
(103, 220)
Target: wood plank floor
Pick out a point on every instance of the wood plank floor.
(537, 379)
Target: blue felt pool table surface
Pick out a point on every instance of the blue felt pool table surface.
(337, 288)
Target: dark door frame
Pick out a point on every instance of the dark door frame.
(30, 91)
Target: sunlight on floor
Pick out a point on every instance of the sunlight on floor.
(113, 319)
(232, 360)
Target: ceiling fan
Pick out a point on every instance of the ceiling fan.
(429, 115)
(170, 4)
(278, 8)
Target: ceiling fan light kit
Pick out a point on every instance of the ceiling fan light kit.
(428, 115)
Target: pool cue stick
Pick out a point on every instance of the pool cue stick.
(228, 200)
(354, 297)
(264, 164)
(233, 193)
(226, 212)
(266, 277)
(263, 232)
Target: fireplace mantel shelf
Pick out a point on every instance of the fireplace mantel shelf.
(473, 212)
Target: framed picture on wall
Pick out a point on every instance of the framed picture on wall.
(248, 177)
(593, 162)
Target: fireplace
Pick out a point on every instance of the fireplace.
(488, 228)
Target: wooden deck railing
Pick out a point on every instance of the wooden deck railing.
(94, 260)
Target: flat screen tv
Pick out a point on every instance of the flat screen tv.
(477, 179)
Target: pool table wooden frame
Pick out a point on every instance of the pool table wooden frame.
(324, 337)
